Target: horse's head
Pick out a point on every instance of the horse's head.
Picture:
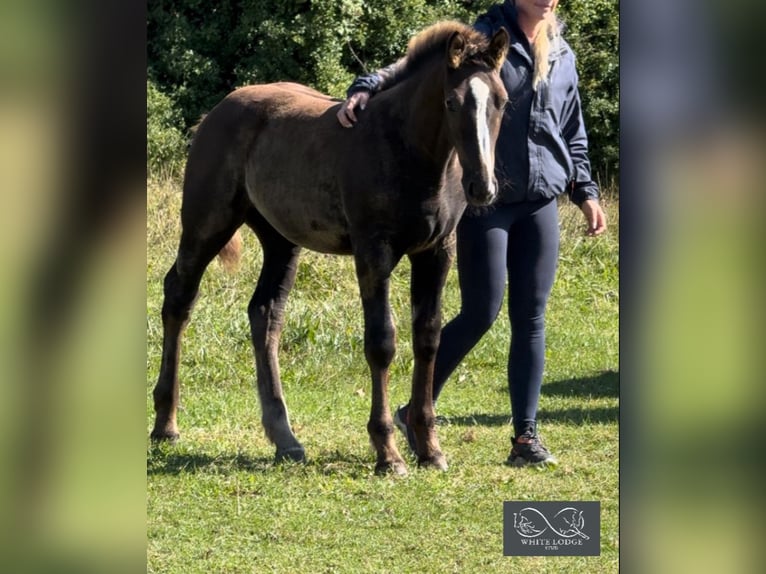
(474, 98)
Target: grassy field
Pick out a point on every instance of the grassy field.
(216, 503)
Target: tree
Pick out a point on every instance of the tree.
(165, 143)
(199, 51)
(592, 29)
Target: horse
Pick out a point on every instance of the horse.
(275, 158)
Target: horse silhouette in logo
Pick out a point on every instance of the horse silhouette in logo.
(569, 523)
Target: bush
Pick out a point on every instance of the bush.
(165, 143)
(198, 51)
(592, 29)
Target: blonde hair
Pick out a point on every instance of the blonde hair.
(547, 39)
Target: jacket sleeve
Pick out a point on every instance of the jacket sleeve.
(583, 186)
(378, 80)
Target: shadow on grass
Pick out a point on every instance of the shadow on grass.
(163, 460)
(606, 384)
(480, 419)
(578, 416)
(574, 416)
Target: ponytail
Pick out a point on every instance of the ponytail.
(547, 39)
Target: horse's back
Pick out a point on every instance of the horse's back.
(288, 144)
(291, 88)
(279, 101)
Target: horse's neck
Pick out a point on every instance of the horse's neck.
(424, 128)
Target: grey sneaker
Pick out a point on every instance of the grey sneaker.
(401, 422)
(529, 451)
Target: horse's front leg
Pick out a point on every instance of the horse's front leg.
(373, 267)
(429, 273)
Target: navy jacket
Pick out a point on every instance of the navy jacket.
(542, 150)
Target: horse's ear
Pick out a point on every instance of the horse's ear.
(498, 48)
(455, 50)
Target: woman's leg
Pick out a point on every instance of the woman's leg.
(533, 248)
(482, 244)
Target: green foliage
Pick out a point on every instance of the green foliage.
(192, 48)
(165, 144)
(592, 29)
(384, 29)
(199, 51)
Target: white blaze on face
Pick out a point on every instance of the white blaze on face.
(480, 92)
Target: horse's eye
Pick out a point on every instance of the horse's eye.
(451, 103)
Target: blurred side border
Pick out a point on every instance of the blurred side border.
(72, 102)
(691, 197)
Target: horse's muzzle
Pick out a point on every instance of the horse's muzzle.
(479, 192)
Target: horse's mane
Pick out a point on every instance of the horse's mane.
(433, 40)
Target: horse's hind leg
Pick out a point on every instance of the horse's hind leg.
(181, 288)
(266, 312)
(206, 230)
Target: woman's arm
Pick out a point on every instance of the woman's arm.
(584, 191)
(577, 141)
(363, 87)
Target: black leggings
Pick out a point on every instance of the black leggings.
(522, 239)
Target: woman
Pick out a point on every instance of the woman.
(541, 153)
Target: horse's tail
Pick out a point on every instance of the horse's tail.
(231, 253)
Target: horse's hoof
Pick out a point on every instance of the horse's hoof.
(397, 468)
(437, 462)
(170, 437)
(294, 454)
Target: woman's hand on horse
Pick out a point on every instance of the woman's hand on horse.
(595, 217)
(346, 115)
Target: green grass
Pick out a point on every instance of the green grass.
(216, 503)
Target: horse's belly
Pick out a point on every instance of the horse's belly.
(426, 225)
(428, 232)
(308, 214)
